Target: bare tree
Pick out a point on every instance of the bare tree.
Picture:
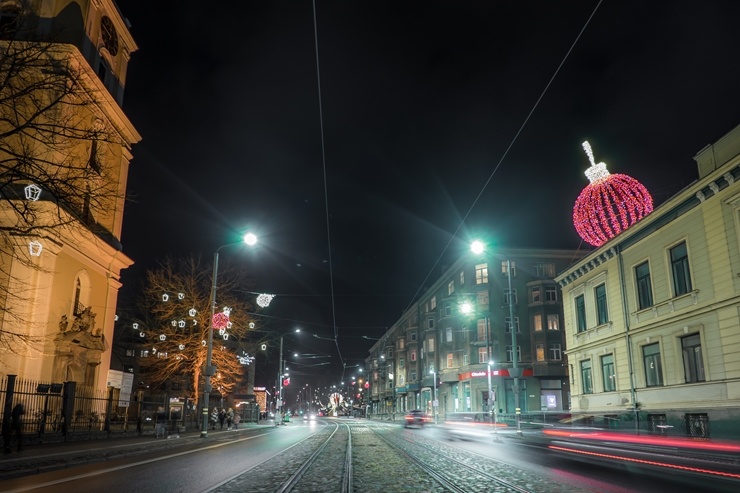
(57, 175)
(175, 320)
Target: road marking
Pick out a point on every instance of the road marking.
(126, 466)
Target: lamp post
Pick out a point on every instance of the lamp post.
(210, 370)
(514, 368)
(393, 393)
(478, 247)
(434, 394)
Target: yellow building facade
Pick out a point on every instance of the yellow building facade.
(652, 317)
(61, 254)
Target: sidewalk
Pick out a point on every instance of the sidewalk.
(45, 457)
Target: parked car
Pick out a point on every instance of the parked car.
(416, 418)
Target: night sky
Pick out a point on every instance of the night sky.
(441, 120)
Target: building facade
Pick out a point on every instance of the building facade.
(442, 346)
(652, 317)
(60, 278)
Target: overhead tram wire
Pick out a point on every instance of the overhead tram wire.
(326, 191)
(506, 152)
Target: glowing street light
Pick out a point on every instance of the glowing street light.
(210, 370)
(478, 247)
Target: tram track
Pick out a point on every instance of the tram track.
(449, 477)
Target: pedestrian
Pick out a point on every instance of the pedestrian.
(229, 418)
(214, 418)
(237, 419)
(222, 417)
(15, 424)
(161, 421)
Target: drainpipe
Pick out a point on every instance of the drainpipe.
(628, 337)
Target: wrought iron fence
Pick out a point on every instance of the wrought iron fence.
(68, 411)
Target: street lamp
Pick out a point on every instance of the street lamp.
(434, 394)
(478, 247)
(210, 370)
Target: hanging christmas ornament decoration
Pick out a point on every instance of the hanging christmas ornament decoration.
(165, 297)
(220, 320)
(609, 204)
(33, 192)
(162, 337)
(180, 296)
(263, 300)
(192, 312)
(136, 325)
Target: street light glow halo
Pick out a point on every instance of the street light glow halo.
(250, 239)
(477, 247)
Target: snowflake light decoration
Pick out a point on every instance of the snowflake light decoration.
(263, 300)
(609, 204)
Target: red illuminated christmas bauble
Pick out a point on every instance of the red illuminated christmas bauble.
(609, 204)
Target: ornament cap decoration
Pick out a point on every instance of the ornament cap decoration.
(597, 172)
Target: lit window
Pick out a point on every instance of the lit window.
(482, 355)
(450, 360)
(540, 352)
(536, 294)
(481, 274)
(553, 321)
(537, 322)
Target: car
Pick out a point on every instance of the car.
(470, 426)
(416, 418)
(309, 417)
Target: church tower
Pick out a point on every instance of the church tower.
(65, 148)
